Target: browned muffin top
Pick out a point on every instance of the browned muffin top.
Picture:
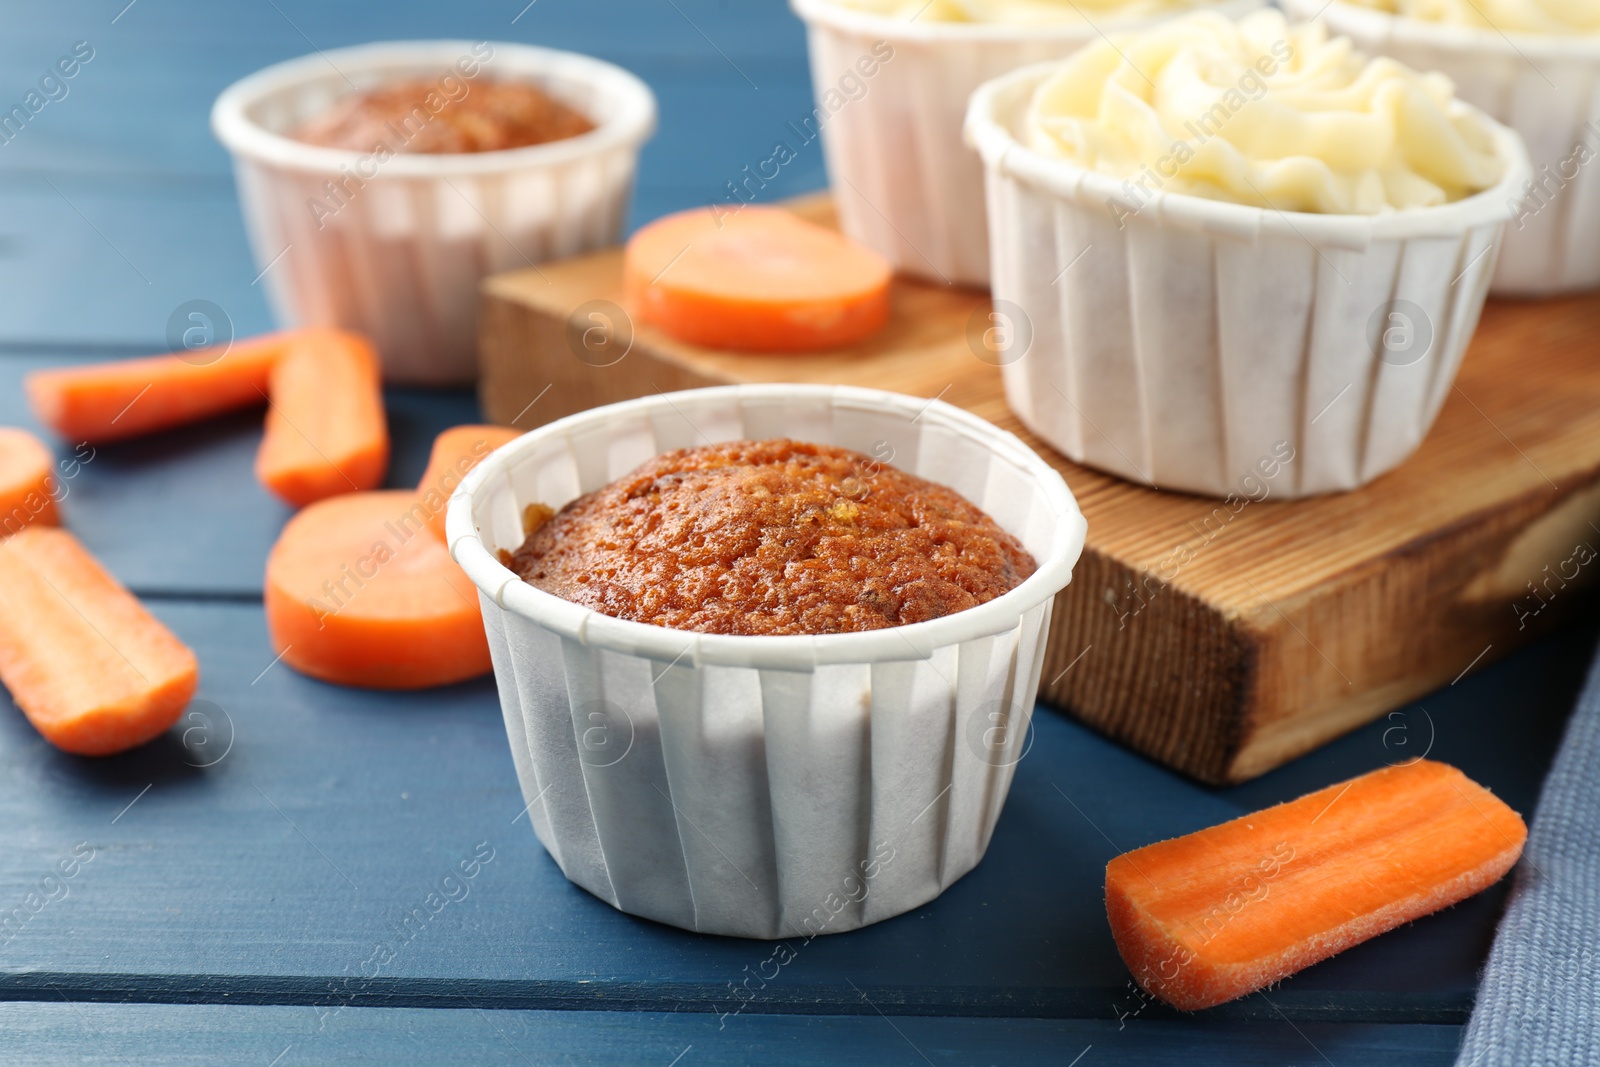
(771, 537)
(418, 116)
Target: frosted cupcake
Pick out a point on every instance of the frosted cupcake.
(892, 78)
(1237, 250)
(1533, 66)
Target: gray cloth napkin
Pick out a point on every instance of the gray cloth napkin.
(1539, 1003)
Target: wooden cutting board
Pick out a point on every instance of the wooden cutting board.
(1291, 622)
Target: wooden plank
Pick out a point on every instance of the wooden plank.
(1286, 624)
(92, 1034)
(228, 883)
(112, 267)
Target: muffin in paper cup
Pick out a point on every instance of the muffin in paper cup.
(395, 247)
(1543, 86)
(1218, 348)
(768, 786)
(891, 94)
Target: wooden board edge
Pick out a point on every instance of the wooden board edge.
(1484, 562)
(1147, 693)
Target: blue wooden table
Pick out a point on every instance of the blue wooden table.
(243, 870)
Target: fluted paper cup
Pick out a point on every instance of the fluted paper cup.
(905, 183)
(395, 249)
(1221, 349)
(765, 786)
(1541, 85)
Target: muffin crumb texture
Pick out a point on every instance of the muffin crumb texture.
(415, 116)
(772, 537)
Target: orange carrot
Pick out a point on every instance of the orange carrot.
(455, 452)
(325, 429)
(358, 592)
(113, 401)
(27, 481)
(92, 669)
(1220, 913)
(760, 280)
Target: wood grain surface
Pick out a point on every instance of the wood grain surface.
(90, 1035)
(1222, 638)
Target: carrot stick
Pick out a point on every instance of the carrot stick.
(760, 280)
(455, 452)
(92, 669)
(104, 402)
(326, 432)
(27, 481)
(1220, 913)
(359, 593)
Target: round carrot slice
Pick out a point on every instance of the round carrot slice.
(358, 592)
(758, 280)
(27, 483)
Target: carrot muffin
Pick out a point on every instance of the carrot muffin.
(418, 116)
(771, 537)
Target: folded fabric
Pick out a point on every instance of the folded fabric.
(1539, 1002)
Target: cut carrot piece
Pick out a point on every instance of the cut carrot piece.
(27, 481)
(1223, 912)
(326, 432)
(104, 402)
(760, 280)
(92, 669)
(455, 452)
(358, 592)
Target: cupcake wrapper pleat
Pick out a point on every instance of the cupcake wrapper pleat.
(1184, 360)
(905, 183)
(754, 802)
(1548, 90)
(401, 262)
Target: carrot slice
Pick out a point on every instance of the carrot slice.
(455, 452)
(760, 280)
(92, 669)
(103, 402)
(1208, 917)
(326, 432)
(27, 481)
(359, 593)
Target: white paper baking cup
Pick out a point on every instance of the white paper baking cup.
(401, 259)
(765, 786)
(1545, 87)
(905, 183)
(1189, 344)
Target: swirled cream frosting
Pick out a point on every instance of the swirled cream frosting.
(1510, 16)
(1021, 12)
(1263, 113)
